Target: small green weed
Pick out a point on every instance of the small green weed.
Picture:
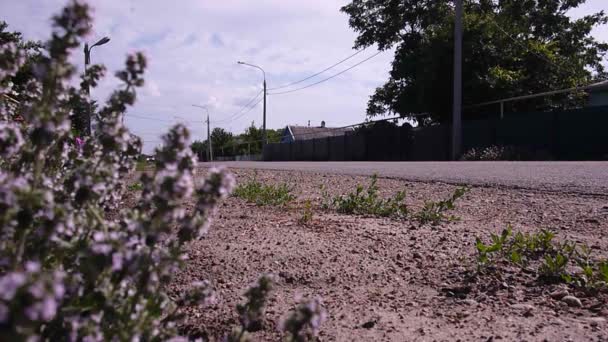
(434, 212)
(264, 194)
(553, 258)
(142, 165)
(307, 214)
(137, 186)
(326, 200)
(367, 202)
(554, 267)
(487, 253)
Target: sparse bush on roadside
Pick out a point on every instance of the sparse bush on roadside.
(490, 153)
(496, 153)
(74, 265)
(261, 194)
(367, 202)
(553, 259)
(434, 212)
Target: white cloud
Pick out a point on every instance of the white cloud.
(193, 46)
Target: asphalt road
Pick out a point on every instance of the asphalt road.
(580, 177)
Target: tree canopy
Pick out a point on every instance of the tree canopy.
(225, 143)
(510, 48)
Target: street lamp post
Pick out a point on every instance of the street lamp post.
(457, 104)
(87, 61)
(209, 148)
(264, 136)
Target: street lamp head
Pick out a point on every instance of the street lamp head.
(102, 41)
(239, 62)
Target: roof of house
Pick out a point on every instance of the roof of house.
(306, 133)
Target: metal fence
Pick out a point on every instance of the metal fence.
(579, 134)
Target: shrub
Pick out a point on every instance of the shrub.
(73, 264)
(367, 202)
(264, 194)
(495, 153)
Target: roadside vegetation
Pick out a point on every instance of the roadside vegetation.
(539, 254)
(143, 165)
(367, 202)
(307, 213)
(435, 212)
(82, 258)
(254, 191)
(496, 153)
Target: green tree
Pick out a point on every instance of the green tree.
(221, 141)
(19, 85)
(199, 148)
(510, 48)
(21, 55)
(251, 140)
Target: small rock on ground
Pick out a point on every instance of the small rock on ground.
(572, 301)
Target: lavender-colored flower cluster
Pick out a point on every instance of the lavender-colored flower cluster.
(304, 323)
(75, 262)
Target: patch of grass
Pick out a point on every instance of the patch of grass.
(264, 194)
(367, 202)
(434, 212)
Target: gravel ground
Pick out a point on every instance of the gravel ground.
(396, 280)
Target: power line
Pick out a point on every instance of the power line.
(320, 72)
(156, 119)
(241, 114)
(328, 78)
(231, 116)
(541, 56)
(146, 118)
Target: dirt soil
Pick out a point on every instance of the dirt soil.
(395, 280)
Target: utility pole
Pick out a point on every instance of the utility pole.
(457, 109)
(209, 148)
(264, 136)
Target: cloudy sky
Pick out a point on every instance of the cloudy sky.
(193, 46)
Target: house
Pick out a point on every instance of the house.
(293, 133)
(598, 94)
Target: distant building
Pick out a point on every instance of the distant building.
(294, 133)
